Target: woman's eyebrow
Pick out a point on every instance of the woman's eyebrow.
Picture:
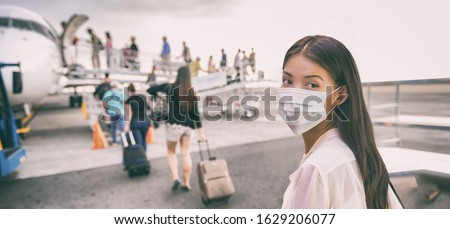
(287, 73)
(313, 76)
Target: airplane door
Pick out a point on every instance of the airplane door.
(71, 27)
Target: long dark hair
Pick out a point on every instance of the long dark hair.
(357, 131)
(184, 85)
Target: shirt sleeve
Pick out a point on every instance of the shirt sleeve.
(309, 191)
(128, 100)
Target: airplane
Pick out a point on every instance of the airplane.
(46, 59)
(31, 40)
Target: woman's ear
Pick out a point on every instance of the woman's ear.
(342, 97)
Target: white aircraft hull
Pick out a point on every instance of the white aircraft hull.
(35, 45)
(39, 58)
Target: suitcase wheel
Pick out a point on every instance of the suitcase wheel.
(130, 174)
(205, 201)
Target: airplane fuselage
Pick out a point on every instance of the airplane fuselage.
(27, 38)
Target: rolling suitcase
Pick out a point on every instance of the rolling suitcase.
(134, 157)
(214, 179)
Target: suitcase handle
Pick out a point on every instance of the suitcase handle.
(125, 140)
(211, 158)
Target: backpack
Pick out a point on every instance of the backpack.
(100, 44)
(160, 108)
(102, 89)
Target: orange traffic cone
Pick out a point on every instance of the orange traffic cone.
(98, 137)
(150, 132)
(84, 110)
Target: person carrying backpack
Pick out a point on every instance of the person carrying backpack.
(103, 87)
(97, 46)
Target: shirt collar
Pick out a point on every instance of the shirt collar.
(330, 133)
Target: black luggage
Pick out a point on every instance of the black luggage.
(214, 179)
(134, 157)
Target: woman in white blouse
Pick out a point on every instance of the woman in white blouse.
(321, 98)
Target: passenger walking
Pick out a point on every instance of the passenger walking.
(195, 67)
(341, 166)
(109, 49)
(252, 61)
(113, 103)
(135, 54)
(137, 118)
(186, 54)
(211, 66)
(96, 47)
(102, 88)
(165, 56)
(238, 64)
(182, 120)
(223, 61)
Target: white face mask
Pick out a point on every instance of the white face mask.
(302, 109)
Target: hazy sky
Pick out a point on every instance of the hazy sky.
(389, 39)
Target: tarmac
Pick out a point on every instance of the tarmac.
(62, 171)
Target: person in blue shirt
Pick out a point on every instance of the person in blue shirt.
(113, 103)
(223, 61)
(165, 55)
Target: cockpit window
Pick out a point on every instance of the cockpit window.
(4, 22)
(52, 36)
(38, 28)
(29, 25)
(21, 24)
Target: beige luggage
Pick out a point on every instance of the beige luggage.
(214, 179)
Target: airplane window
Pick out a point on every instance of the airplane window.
(38, 28)
(21, 24)
(4, 22)
(51, 34)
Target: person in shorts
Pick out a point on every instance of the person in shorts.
(183, 118)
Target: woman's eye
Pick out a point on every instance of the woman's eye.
(312, 85)
(287, 82)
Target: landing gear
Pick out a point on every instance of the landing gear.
(75, 100)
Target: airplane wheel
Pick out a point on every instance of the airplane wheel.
(79, 100)
(71, 101)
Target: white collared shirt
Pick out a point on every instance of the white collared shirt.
(328, 177)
